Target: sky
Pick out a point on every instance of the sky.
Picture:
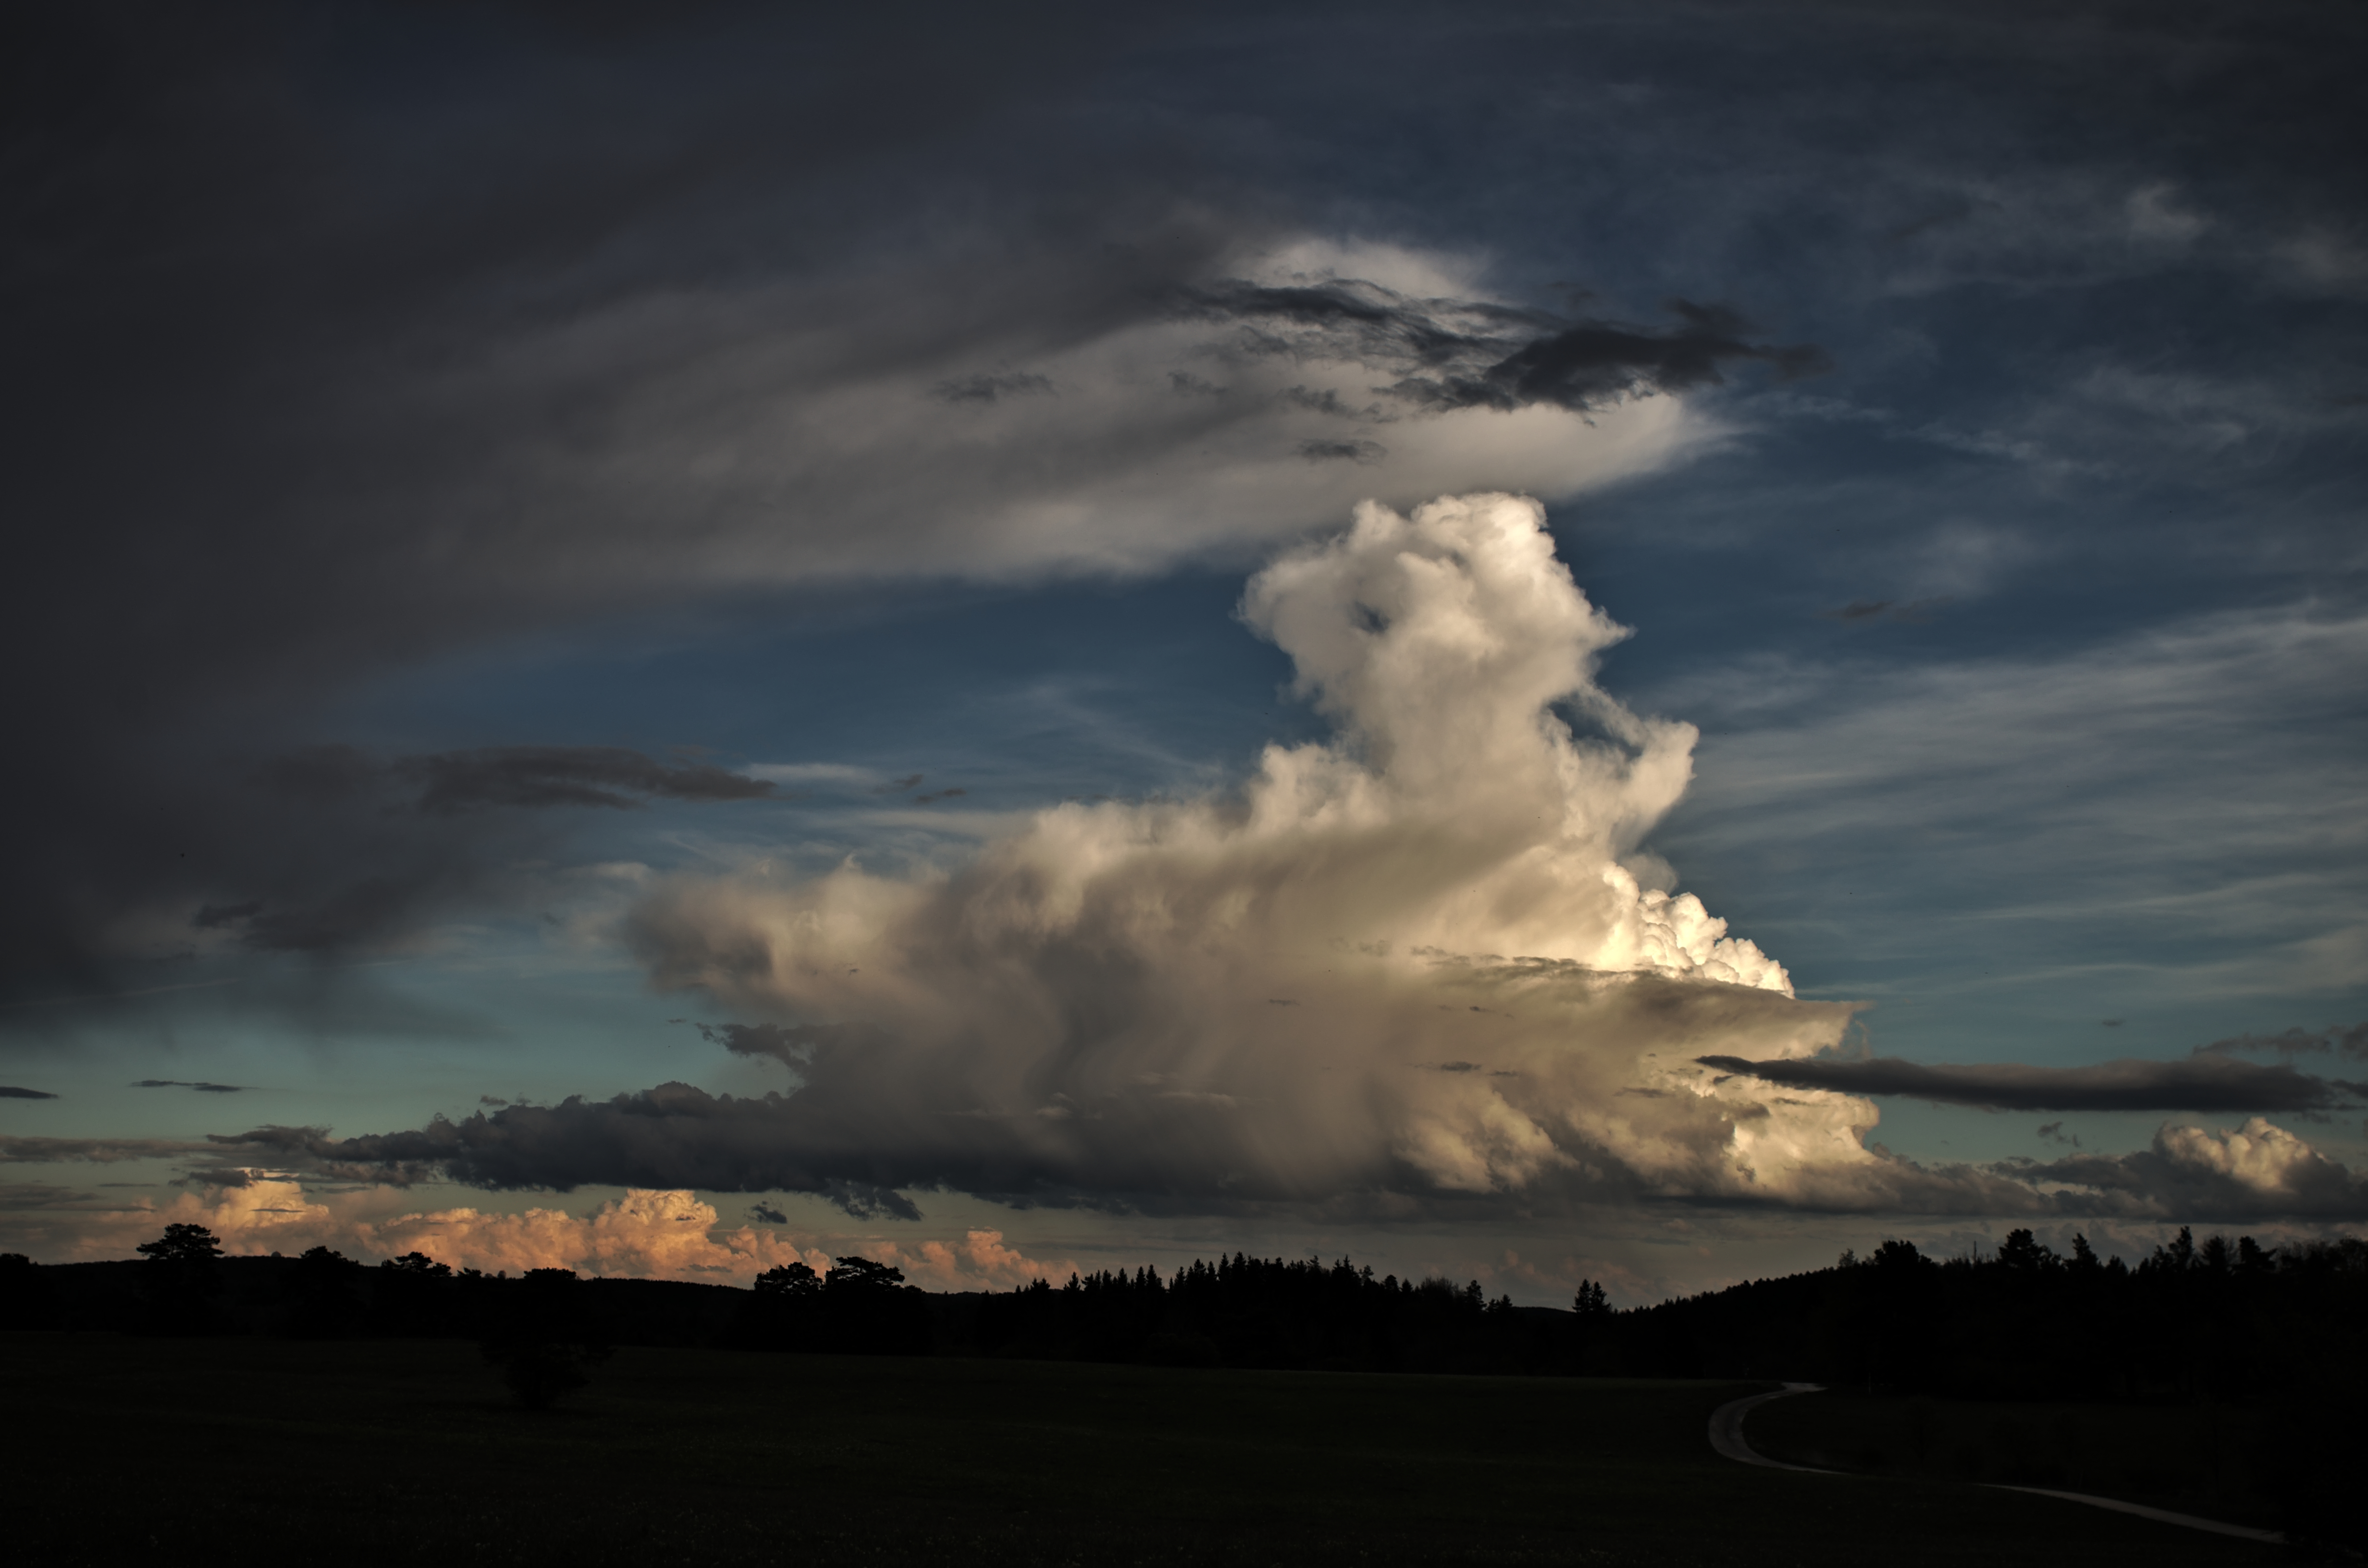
(1633, 641)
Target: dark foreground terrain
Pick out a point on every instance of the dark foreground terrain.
(127, 1450)
(2189, 1459)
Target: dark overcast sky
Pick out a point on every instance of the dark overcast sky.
(492, 487)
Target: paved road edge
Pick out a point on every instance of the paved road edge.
(1726, 1438)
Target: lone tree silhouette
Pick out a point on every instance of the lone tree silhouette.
(179, 1279)
(868, 1309)
(189, 1249)
(321, 1287)
(789, 1281)
(544, 1338)
(784, 1310)
(412, 1294)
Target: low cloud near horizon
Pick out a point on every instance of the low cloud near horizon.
(2201, 1083)
(641, 1233)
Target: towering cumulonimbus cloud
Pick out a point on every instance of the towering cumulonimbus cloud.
(1409, 971)
(1412, 958)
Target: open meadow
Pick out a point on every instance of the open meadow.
(410, 1452)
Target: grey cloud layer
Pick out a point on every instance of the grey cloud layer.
(875, 1114)
(549, 430)
(2201, 1083)
(322, 382)
(858, 1138)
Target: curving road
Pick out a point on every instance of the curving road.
(1726, 1429)
(1726, 1437)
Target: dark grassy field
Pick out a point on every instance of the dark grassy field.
(127, 1450)
(2189, 1459)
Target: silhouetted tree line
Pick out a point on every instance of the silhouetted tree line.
(1268, 1312)
(183, 1285)
(1236, 1312)
(2214, 1319)
(543, 1329)
(2196, 1320)
(858, 1308)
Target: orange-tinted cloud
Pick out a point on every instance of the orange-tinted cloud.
(646, 1234)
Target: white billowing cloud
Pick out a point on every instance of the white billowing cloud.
(2259, 1156)
(645, 1235)
(651, 1234)
(1407, 961)
(979, 1261)
(2257, 1170)
(262, 1215)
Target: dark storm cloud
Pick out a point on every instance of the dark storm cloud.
(1470, 354)
(1594, 363)
(671, 1136)
(1352, 317)
(2205, 1083)
(249, 253)
(1343, 451)
(855, 1156)
(226, 1177)
(794, 1045)
(346, 849)
(179, 1084)
(11, 1092)
(679, 1136)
